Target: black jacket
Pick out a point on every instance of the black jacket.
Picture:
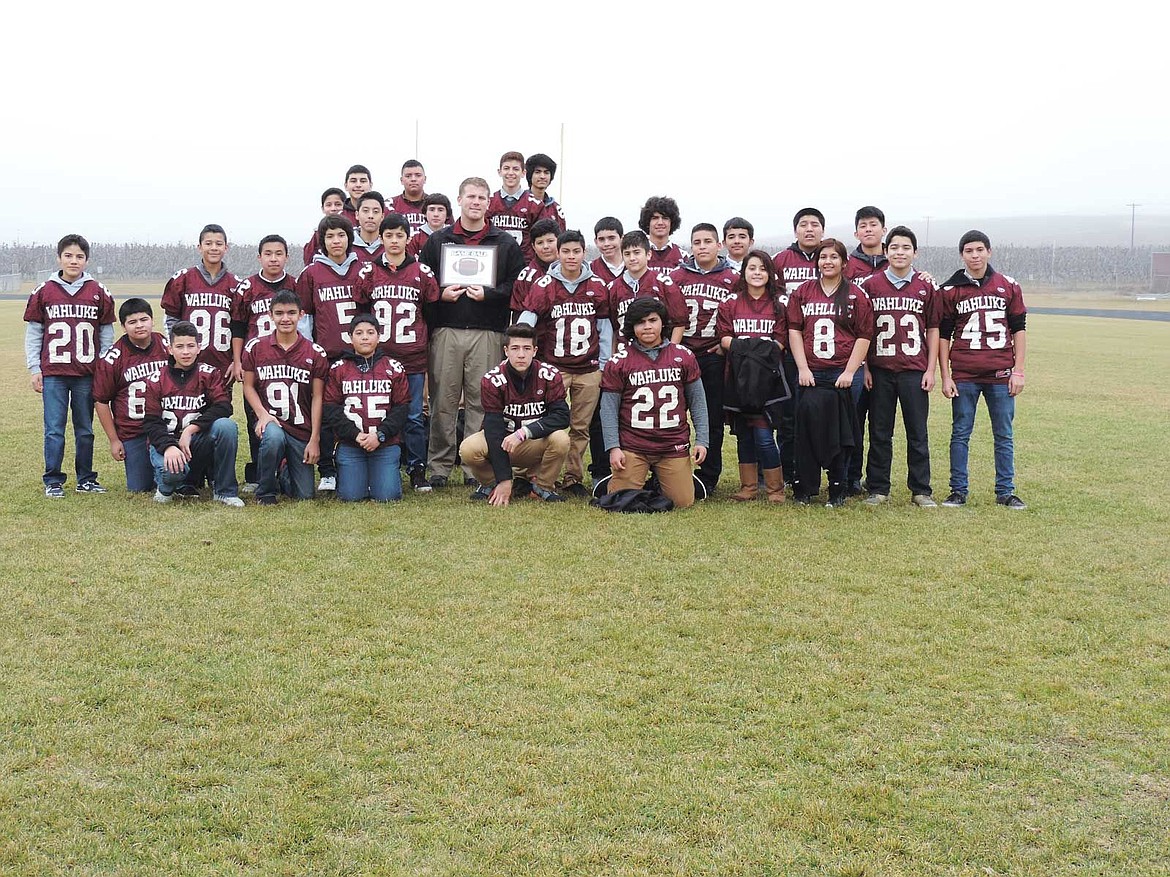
(493, 312)
(825, 418)
(755, 378)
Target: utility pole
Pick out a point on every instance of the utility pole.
(926, 243)
(1132, 221)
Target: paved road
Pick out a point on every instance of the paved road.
(1159, 316)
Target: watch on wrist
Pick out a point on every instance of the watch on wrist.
(381, 437)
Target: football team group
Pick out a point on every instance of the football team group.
(416, 339)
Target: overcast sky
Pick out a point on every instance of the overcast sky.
(143, 121)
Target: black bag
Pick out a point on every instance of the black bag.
(633, 501)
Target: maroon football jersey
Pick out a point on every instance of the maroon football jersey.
(813, 314)
(601, 269)
(179, 403)
(649, 285)
(900, 320)
(523, 284)
(312, 248)
(367, 397)
(397, 297)
(121, 378)
(742, 316)
(516, 220)
(652, 416)
(860, 266)
(252, 300)
(190, 296)
(567, 322)
(72, 324)
(796, 266)
(544, 386)
(550, 209)
(418, 241)
(667, 259)
(982, 349)
(328, 297)
(413, 211)
(349, 211)
(367, 252)
(703, 292)
(284, 380)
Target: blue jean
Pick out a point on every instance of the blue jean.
(217, 447)
(63, 396)
(1002, 409)
(276, 445)
(756, 444)
(373, 474)
(139, 469)
(414, 433)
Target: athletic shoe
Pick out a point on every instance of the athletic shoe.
(481, 493)
(801, 499)
(1011, 501)
(55, 491)
(600, 486)
(546, 495)
(418, 481)
(161, 497)
(249, 487)
(327, 484)
(955, 500)
(702, 491)
(89, 487)
(877, 498)
(576, 489)
(438, 482)
(835, 502)
(187, 491)
(521, 488)
(266, 500)
(230, 501)
(854, 489)
(923, 501)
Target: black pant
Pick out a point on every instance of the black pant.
(250, 475)
(598, 458)
(786, 433)
(711, 367)
(857, 457)
(889, 389)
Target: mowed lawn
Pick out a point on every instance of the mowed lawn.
(441, 688)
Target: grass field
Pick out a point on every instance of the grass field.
(441, 688)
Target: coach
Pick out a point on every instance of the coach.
(467, 324)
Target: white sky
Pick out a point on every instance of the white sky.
(144, 121)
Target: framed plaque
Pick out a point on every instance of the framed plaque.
(468, 265)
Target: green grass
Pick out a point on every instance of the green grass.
(441, 688)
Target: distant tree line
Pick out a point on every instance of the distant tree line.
(1057, 266)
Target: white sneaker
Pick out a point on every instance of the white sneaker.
(159, 496)
(923, 501)
(876, 498)
(231, 501)
(328, 482)
(249, 487)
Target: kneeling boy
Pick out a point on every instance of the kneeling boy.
(647, 389)
(189, 420)
(525, 422)
(284, 383)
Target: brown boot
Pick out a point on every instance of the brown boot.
(749, 487)
(774, 482)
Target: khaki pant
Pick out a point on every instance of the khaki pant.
(458, 360)
(583, 391)
(674, 475)
(538, 460)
